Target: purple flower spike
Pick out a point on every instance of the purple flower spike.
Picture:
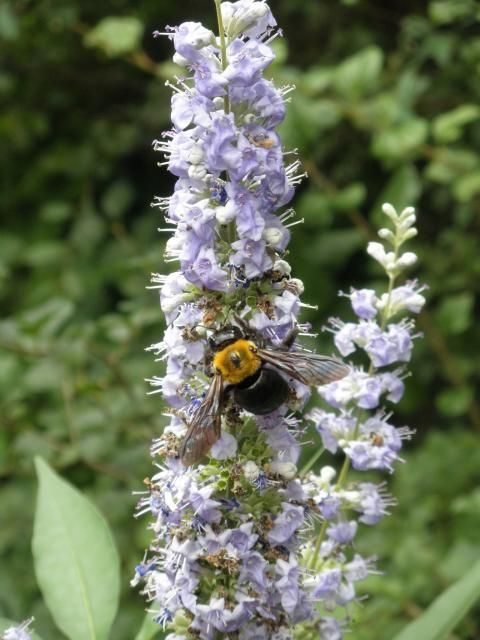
(248, 541)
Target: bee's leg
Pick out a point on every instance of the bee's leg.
(207, 361)
(227, 390)
(242, 324)
(228, 406)
(290, 337)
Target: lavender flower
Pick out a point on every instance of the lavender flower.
(246, 545)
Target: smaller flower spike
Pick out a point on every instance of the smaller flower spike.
(21, 632)
(247, 544)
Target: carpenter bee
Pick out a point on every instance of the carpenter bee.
(251, 373)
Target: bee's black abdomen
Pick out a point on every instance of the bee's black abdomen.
(261, 393)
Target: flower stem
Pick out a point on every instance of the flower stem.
(343, 472)
(386, 309)
(223, 49)
(318, 543)
(306, 468)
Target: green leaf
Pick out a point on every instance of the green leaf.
(448, 127)
(449, 164)
(333, 247)
(400, 141)
(308, 118)
(454, 401)
(149, 629)
(378, 113)
(455, 313)
(116, 35)
(349, 197)
(76, 561)
(8, 23)
(462, 555)
(317, 79)
(359, 74)
(447, 11)
(48, 318)
(117, 198)
(446, 611)
(467, 186)
(5, 624)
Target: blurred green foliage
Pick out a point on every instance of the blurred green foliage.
(385, 109)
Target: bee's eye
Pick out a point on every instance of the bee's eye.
(235, 358)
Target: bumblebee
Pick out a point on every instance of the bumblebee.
(251, 373)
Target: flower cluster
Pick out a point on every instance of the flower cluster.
(20, 632)
(385, 333)
(246, 546)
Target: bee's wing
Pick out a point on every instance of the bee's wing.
(308, 368)
(204, 429)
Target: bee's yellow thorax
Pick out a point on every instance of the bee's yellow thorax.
(237, 361)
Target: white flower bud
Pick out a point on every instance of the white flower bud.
(407, 259)
(218, 103)
(353, 497)
(415, 303)
(237, 21)
(297, 285)
(273, 236)
(389, 210)
(197, 172)
(228, 10)
(250, 16)
(251, 471)
(180, 60)
(196, 154)
(173, 245)
(386, 259)
(200, 37)
(225, 214)
(377, 251)
(406, 213)
(282, 267)
(327, 474)
(170, 304)
(386, 234)
(390, 262)
(287, 470)
(407, 222)
(410, 233)
(383, 301)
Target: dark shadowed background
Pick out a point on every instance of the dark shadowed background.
(385, 109)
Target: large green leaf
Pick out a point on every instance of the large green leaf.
(447, 611)
(149, 629)
(76, 561)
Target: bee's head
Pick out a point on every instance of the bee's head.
(236, 359)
